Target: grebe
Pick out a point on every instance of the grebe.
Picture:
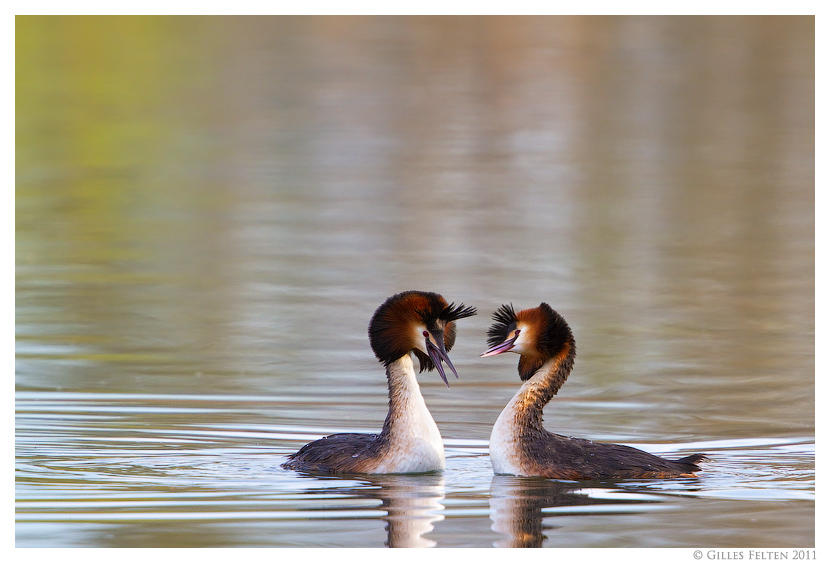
(413, 321)
(520, 445)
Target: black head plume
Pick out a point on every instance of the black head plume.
(504, 322)
(453, 312)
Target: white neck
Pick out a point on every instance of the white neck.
(414, 442)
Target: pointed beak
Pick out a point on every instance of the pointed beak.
(505, 346)
(438, 354)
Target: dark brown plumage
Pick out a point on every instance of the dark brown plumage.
(348, 452)
(520, 444)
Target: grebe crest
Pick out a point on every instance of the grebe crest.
(519, 443)
(418, 322)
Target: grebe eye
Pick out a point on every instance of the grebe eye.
(426, 333)
(517, 332)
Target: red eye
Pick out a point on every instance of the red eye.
(426, 334)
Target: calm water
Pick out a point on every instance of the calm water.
(208, 211)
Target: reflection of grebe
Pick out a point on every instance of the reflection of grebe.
(520, 445)
(412, 321)
(516, 505)
(413, 505)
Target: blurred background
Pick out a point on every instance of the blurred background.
(209, 209)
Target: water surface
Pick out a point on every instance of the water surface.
(208, 211)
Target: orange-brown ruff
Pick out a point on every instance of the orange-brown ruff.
(416, 322)
(519, 443)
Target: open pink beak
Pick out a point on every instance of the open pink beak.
(505, 346)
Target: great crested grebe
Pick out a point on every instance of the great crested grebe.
(413, 321)
(520, 445)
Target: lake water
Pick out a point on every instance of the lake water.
(208, 211)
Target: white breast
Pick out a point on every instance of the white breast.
(504, 447)
(416, 448)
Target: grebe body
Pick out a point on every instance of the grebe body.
(416, 322)
(519, 443)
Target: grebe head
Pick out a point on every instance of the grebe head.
(536, 334)
(417, 321)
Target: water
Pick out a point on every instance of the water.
(208, 211)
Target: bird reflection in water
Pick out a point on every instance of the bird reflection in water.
(413, 503)
(517, 507)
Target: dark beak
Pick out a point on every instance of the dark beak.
(438, 354)
(505, 346)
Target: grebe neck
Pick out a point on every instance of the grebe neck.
(545, 382)
(407, 408)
